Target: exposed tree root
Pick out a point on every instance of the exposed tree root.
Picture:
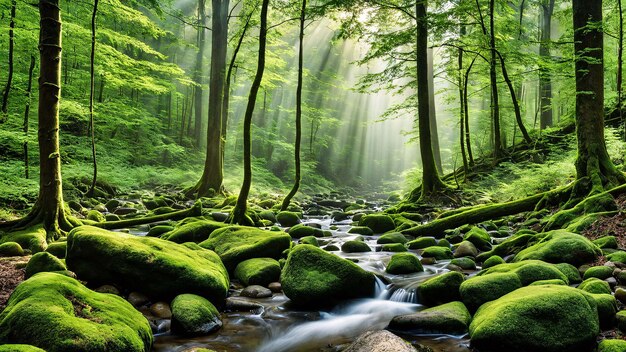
(56, 222)
(195, 210)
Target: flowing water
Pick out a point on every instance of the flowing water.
(277, 327)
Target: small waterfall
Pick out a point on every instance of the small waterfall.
(404, 295)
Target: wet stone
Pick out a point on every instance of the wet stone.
(236, 304)
(275, 287)
(256, 291)
(161, 310)
(108, 289)
(138, 299)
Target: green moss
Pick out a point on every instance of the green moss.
(95, 215)
(619, 257)
(302, 230)
(32, 238)
(439, 253)
(57, 249)
(43, 261)
(550, 318)
(548, 282)
(312, 277)
(620, 317)
(355, 246)
(158, 268)
(495, 282)
(607, 307)
(612, 346)
(58, 314)
(465, 249)
(235, 244)
(379, 223)
(361, 230)
(11, 249)
(258, 271)
(158, 230)
(464, 263)
(450, 318)
(493, 261)
(268, 215)
(440, 289)
(511, 245)
(422, 242)
(288, 218)
(443, 243)
(606, 242)
(195, 231)
(572, 273)
(193, 315)
(19, 348)
(601, 272)
(479, 237)
(393, 237)
(309, 240)
(561, 247)
(394, 247)
(404, 263)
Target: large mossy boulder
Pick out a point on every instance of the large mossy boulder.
(313, 277)
(450, 318)
(392, 237)
(404, 263)
(193, 315)
(193, 231)
(549, 318)
(440, 289)
(32, 238)
(11, 249)
(288, 218)
(19, 348)
(495, 282)
(158, 268)
(355, 246)
(379, 223)
(43, 261)
(561, 246)
(437, 252)
(302, 230)
(59, 314)
(479, 237)
(258, 271)
(612, 346)
(234, 244)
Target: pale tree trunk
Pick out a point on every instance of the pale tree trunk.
(7, 88)
(545, 80)
(432, 115)
(91, 94)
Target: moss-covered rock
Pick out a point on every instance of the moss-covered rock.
(439, 253)
(449, 318)
(157, 231)
(404, 263)
(11, 249)
(493, 261)
(41, 262)
(549, 318)
(19, 348)
(312, 240)
(464, 263)
(392, 237)
(194, 231)
(361, 230)
(193, 315)
(161, 269)
(572, 273)
(302, 230)
(288, 218)
(621, 320)
(619, 257)
(595, 285)
(601, 272)
(95, 215)
(561, 247)
(312, 277)
(466, 249)
(58, 314)
(57, 249)
(606, 242)
(612, 346)
(234, 244)
(379, 223)
(355, 246)
(258, 271)
(548, 282)
(422, 242)
(394, 247)
(511, 245)
(479, 237)
(440, 289)
(495, 282)
(32, 238)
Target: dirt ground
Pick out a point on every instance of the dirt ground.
(11, 275)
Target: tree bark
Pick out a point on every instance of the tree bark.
(545, 82)
(296, 184)
(516, 108)
(91, 94)
(468, 140)
(431, 183)
(29, 89)
(238, 214)
(198, 73)
(495, 102)
(620, 64)
(432, 115)
(462, 105)
(7, 88)
(593, 161)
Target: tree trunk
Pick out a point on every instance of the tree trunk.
(516, 108)
(198, 73)
(431, 183)
(296, 184)
(7, 88)
(468, 140)
(495, 102)
(29, 89)
(238, 214)
(545, 82)
(432, 115)
(593, 161)
(462, 107)
(620, 65)
(91, 94)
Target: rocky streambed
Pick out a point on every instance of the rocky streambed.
(337, 276)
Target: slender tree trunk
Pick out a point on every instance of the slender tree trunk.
(462, 106)
(238, 214)
(91, 94)
(620, 65)
(468, 139)
(545, 81)
(7, 88)
(199, 91)
(593, 161)
(495, 101)
(431, 183)
(296, 184)
(101, 92)
(213, 176)
(516, 108)
(29, 89)
(433, 111)
(521, 19)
